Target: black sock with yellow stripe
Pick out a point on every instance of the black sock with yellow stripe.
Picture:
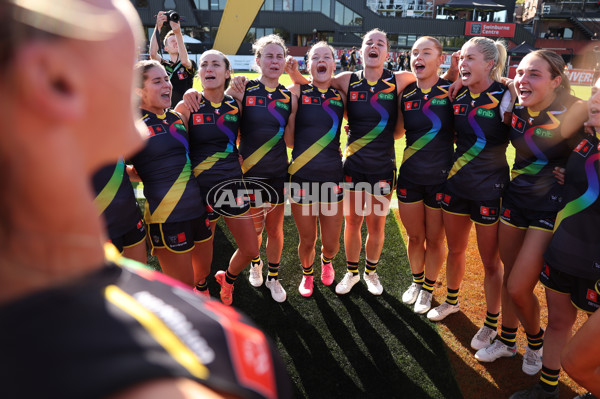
(273, 271)
(452, 296)
(256, 261)
(325, 260)
(508, 336)
(352, 267)
(491, 320)
(308, 271)
(549, 379)
(229, 277)
(419, 278)
(371, 267)
(428, 285)
(535, 342)
(202, 287)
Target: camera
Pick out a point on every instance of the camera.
(172, 16)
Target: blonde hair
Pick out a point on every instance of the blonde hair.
(167, 36)
(491, 50)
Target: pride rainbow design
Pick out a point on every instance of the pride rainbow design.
(211, 160)
(356, 145)
(479, 145)
(541, 161)
(320, 144)
(260, 152)
(430, 135)
(588, 198)
(171, 199)
(108, 193)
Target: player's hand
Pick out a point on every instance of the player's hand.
(559, 174)
(291, 64)
(191, 100)
(454, 60)
(133, 174)
(238, 84)
(175, 26)
(454, 89)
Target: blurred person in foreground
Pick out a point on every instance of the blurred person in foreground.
(109, 331)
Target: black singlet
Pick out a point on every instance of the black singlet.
(575, 245)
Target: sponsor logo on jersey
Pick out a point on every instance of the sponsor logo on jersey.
(460, 109)
(402, 192)
(182, 74)
(358, 96)
(139, 224)
(446, 199)
(385, 96)
(255, 101)
(337, 103)
(541, 132)
(412, 105)
(282, 105)
(506, 213)
(203, 119)
(591, 295)
(439, 196)
(583, 148)
(153, 130)
(485, 113)
(181, 237)
(311, 100)
(438, 101)
(230, 118)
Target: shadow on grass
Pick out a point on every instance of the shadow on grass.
(351, 346)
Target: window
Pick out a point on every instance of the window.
(326, 7)
(307, 5)
(297, 5)
(278, 5)
(339, 13)
(268, 6)
(222, 4)
(201, 4)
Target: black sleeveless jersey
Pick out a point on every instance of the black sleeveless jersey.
(480, 170)
(172, 195)
(316, 154)
(429, 129)
(181, 78)
(213, 134)
(115, 199)
(575, 245)
(539, 148)
(264, 118)
(372, 109)
(120, 327)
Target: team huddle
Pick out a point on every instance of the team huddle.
(535, 220)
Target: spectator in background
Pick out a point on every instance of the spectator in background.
(353, 60)
(344, 61)
(179, 67)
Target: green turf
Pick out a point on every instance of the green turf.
(353, 346)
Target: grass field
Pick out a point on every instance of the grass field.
(361, 346)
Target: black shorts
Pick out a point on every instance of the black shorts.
(130, 239)
(483, 212)
(409, 193)
(179, 236)
(584, 293)
(306, 192)
(523, 218)
(380, 184)
(228, 198)
(265, 190)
